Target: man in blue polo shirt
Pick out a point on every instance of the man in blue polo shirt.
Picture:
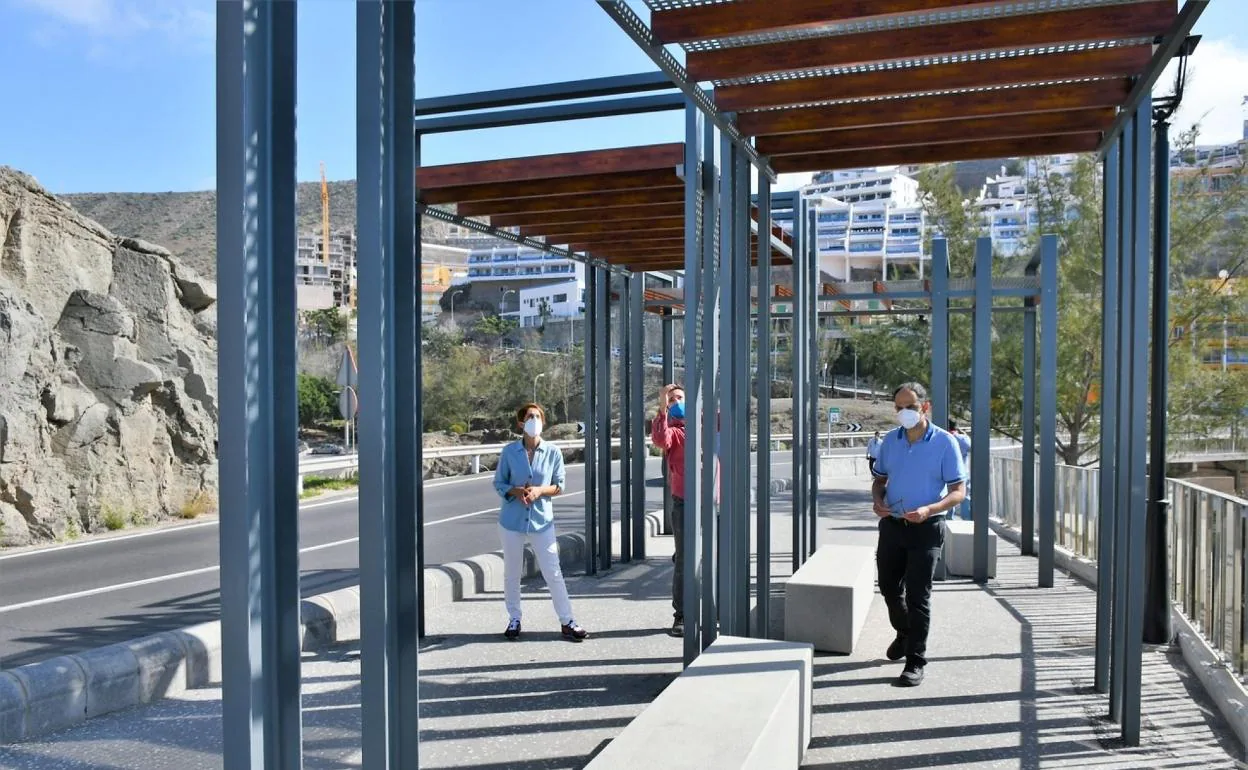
(919, 475)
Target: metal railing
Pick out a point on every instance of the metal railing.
(1208, 543)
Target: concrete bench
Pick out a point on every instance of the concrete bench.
(959, 552)
(826, 601)
(743, 703)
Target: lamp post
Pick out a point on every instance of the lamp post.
(535, 379)
(457, 291)
(503, 296)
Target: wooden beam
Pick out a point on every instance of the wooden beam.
(626, 247)
(589, 201)
(607, 228)
(1002, 71)
(1080, 25)
(571, 185)
(723, 20)
(1023, 100)
(939, 132)
(582, 216)
(939, 153)
(624, 159)
(644, 236)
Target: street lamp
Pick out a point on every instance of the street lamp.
(535, 379)
(457, 291)
(505, 292)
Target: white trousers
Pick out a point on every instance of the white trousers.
(547, 549)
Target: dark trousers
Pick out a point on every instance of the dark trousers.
(678, 558)
(905, 561)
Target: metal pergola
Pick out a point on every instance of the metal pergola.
(798, 86)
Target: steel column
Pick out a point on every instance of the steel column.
(762, 546)
(1048, 408)
(259, 525)
(708, 467)
(417, 448)
(669, 376)
(812, 376)
(592, 375)
(602, 333)
(636, 413)
(692, 552)
(797, 352)
(1138, 465)
(386, 155)
(1122, 439)
(1157, 625)
(940, 332)
(741, 395)
(729, 503)
(1108, 486)
(981, 404)
(626, 423)
(1028, 544)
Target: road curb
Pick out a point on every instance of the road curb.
(51, 695)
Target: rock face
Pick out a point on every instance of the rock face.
(107, 373)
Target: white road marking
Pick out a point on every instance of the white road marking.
(214, 568)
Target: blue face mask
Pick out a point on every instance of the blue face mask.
(676, 411)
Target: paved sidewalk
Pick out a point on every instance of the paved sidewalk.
(1008, 684)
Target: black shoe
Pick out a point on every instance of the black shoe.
(911, 676)
(513, 629)
(573, 631)
(897, 650)
(678, 627)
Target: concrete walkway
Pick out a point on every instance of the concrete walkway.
(1008, 685)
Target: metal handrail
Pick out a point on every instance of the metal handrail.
(1208, 540)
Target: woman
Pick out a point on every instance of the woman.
(530, 472)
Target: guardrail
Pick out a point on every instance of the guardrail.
(1208, 546)
(310, 465)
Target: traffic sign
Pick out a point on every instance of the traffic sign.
(853, 427)
(580, 428)
(348, 403)
(348, 375)
(834, 414)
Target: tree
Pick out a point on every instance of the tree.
(318, 399)
(1069, 206)
(326, 326)
(491, 329)
(544, 311)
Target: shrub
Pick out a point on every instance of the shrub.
(112, 519)
(200, 503)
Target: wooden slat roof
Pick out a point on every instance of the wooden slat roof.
(624, 206)
(824, 85)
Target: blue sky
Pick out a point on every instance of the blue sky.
(117, 95)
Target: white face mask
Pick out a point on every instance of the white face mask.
(909, 418)
(533, 426)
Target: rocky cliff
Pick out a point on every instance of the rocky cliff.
(107, 373)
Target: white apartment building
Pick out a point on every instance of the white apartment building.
(516, 274)
(565, 299)
(321, 284)
(869, 223)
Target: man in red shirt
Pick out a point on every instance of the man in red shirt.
(668, 433)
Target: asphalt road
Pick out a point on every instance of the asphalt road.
(69, 598)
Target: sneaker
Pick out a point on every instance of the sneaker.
(911, 676)
(678, 627)
(513, 629)
(572, 630)
(897, 650)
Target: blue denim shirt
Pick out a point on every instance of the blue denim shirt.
(514, 471)
(919, 473)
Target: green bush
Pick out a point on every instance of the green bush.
(113, 519)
